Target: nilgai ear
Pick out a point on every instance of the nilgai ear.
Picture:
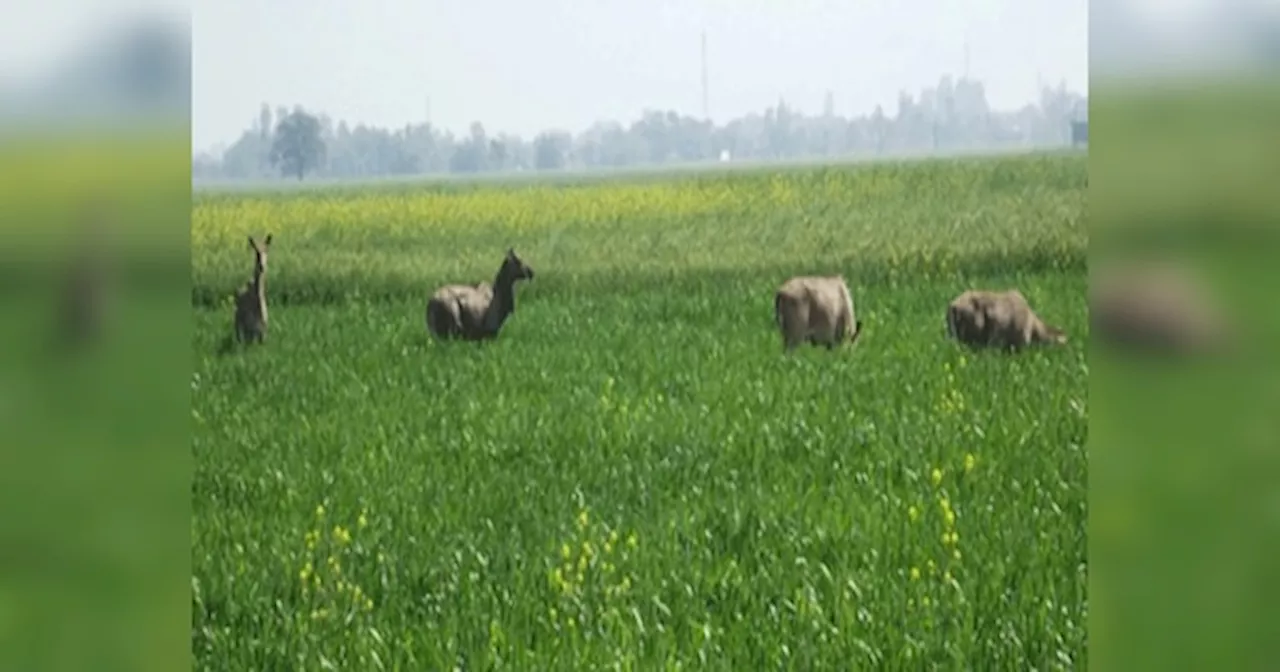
(268, 240)
(253, 245)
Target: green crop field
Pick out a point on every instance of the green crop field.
(633, 475)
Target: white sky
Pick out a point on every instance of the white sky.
(527, 65)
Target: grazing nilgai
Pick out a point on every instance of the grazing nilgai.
(251, 301)
(815, 309)
(1157, 308)
(477, 312)
(998, 319)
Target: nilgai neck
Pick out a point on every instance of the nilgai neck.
(259, 284)
(504, 299)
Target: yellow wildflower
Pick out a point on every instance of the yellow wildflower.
(341, 535)
(969, 462)
(915, 573)
(913, 513)
(936, 476)
(583, 519)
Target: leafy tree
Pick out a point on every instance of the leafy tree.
(549, 150)
(298, 147)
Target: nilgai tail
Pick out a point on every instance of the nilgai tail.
(477, 312)
(817, 310)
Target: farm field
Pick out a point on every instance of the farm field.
(633, 474)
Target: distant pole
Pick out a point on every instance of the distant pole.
(706, 107)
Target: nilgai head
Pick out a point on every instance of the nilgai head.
(513, 267)
(260, 254)
(1053, 336)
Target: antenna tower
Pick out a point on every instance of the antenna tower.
(706, 108)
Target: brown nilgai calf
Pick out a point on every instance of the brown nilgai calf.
(477, 312)
(251, 300)
(998, 319)
(815, 309)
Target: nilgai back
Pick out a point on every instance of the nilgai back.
(816, 309)
(998, 319)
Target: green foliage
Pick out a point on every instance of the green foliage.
(633, 474)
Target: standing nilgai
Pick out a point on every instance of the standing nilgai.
(817, 310)
(251, 301)
(998, 319)
(477, 312)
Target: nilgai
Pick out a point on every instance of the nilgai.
(477, 312)
(251, 301)
(1157, 308)
(998, 319)
(815, 309)
(89, 281)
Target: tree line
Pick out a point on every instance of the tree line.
(953, 115)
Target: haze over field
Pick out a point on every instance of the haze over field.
(526, 67)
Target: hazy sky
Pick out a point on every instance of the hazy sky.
(526, 65)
